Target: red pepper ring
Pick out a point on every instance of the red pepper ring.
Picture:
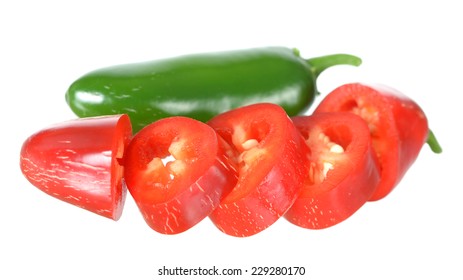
(177, 171)
(344, 171)
(272, 165)
(79, 162)
(398, 127)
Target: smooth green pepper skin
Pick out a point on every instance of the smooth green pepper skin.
(201, 86)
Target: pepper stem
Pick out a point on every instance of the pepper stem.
(433, 143)
(321, 63)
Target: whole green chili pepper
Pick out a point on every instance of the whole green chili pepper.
(201, 86)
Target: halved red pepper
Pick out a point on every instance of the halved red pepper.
(272, 166)
(344, 171)
(79, 162)
(177, 171)
(398, 127)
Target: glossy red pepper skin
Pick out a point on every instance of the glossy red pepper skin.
(398, 126)
(344, 171)
(270, 155)
(177, 171)
(79, 162)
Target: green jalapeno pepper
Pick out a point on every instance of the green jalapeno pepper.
(201, 86)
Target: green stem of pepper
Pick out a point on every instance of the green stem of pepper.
(433, 143)
(320, 64)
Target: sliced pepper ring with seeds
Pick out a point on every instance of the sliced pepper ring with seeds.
(177, 172)
(270, 155)
(344, 171)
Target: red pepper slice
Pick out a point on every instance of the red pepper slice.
(78, 161)
(271, 158)
(177, 171)
(398, 127)
(344, 171)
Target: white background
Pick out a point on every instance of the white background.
(413, 233)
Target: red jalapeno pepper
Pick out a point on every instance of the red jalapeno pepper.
(398, 127)
(80, 162)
